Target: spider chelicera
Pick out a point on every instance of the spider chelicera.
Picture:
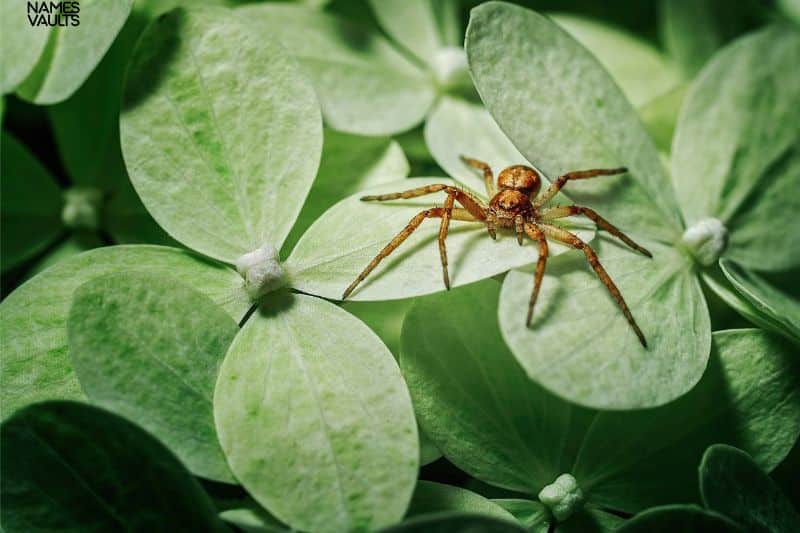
(516, 205)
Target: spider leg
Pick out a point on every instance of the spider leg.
(488, 177)
(556, 186)
(536, 234)
(519, 228)
(443, 227)
(570, 210)
(436, 212)
(568, 238)
(472, 204)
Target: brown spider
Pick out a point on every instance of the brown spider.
(516, 205)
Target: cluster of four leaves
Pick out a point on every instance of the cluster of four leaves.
(301, 372)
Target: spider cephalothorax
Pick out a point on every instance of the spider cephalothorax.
(515, 204)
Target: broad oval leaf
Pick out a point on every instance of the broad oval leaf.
(312, 413)
(33, 319)
(349, 163)
(685, 518)
(732, 484)
(73, 467)
(149, 349)
(31, 204)
(338, 246)
(454, 522)
(749, 397)
(220, 131)
(563, 112)
(769, 307)
(364, 84)
(580, 346)
(639, 69)
(72, 51)
(430, 497)
(22, 44)
(472, 398)
(736, 153)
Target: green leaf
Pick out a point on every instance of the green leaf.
(684, 518)
(639, 69)
(222, 175)
(423, 27)
(338, 246)
(472, 398)
(454, 522)
(735, 154)
(364, 84)
(31, 204)
(253, 520)
(430, 497)
(660, 116)
(564, 112)
(590, 520)
(349, 163)
(532, 515)
(581, 347)
(72, 467)
(732, 484)
(71, 52)
(128, 221)
(749, 397)
(769, 307)
(312, 413)
(22, 44)
(77, 242)
(33, 318)
(164, 380)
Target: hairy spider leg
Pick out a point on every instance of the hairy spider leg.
(568, 238)
(556, 186)
(488, 177)
(443, 227)
(519, 228)
(536, 234)
(436, 212)
(553, 213)
(472, 204)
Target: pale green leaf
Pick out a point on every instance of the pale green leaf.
(749, 397)
(472, 398)
(430, 497)
(162, 380)
(790, 8)
(349, 163)
(224, 175)
(33, 318)
(454, 522)
(564, 112)
(773, 308)
(736, 153)
(423, 27)
(128, 221)
(660, 116)
(364, 84)
(531, 514)
(68, 467)
(77, 242)
(312, 413)
(732, 484)
(639, 69)
(343, 241)
(72, 52)
(683, 518)
(22, 44)
(581, 347)
(30, 204)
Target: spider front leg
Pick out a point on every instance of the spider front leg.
(472, 204)
(536, 234)
(488, 177)
(569, 239)
(570, 210)
(436, 212)
(556, 186)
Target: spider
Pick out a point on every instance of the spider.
(515, 204)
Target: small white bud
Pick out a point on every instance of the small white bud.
(82, 208)
(706, 239)
(450, 66)
(261, 270)
(563, 497)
